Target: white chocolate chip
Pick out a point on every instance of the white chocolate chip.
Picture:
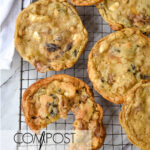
(36, 35)
(75, 37)
(56, 13)
(114, 6)
(66, 94)
(32, 17)
(103, 47)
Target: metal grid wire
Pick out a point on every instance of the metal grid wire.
(116, 139)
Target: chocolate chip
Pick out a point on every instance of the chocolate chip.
(69, 46)
(59, 90)
(53, 104)
(101, 4)
(75, 53)
(54, 112)
(49, 104)
(133, 67)
(57, 56)
(146, 77)
(50, 67)
(77, 91)
(128, 70)
(33, 117)
(102, 79)
(117, 50)
(52, 47)
(134, 73)
(53, 96)
(30, 97)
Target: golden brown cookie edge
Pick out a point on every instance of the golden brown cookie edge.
(85, 3)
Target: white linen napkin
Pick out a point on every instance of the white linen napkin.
(9, 10)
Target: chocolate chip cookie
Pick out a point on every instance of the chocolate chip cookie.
(52, 98)
(118, 62)
(135, 115)
(126, 13)
(50, 35)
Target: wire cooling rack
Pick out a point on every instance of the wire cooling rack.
(116, 138)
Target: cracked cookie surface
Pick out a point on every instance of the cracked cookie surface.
(118, 62)
(126, 13)
(50, 35)
(52, 98)
(135, 115)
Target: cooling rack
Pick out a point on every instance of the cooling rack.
(116, 138)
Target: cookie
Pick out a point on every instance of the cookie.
(126, 13)
(50, 35)
(85, 2)
(52, 98)
(135, 115)
(118, 62)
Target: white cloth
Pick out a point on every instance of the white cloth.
(9, 10)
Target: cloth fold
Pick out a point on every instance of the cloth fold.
(9, 10)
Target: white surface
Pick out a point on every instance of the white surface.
(9, 10)
(9, 87)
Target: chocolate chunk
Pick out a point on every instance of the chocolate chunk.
(69, 46)
(146, 77)
(52, 47)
